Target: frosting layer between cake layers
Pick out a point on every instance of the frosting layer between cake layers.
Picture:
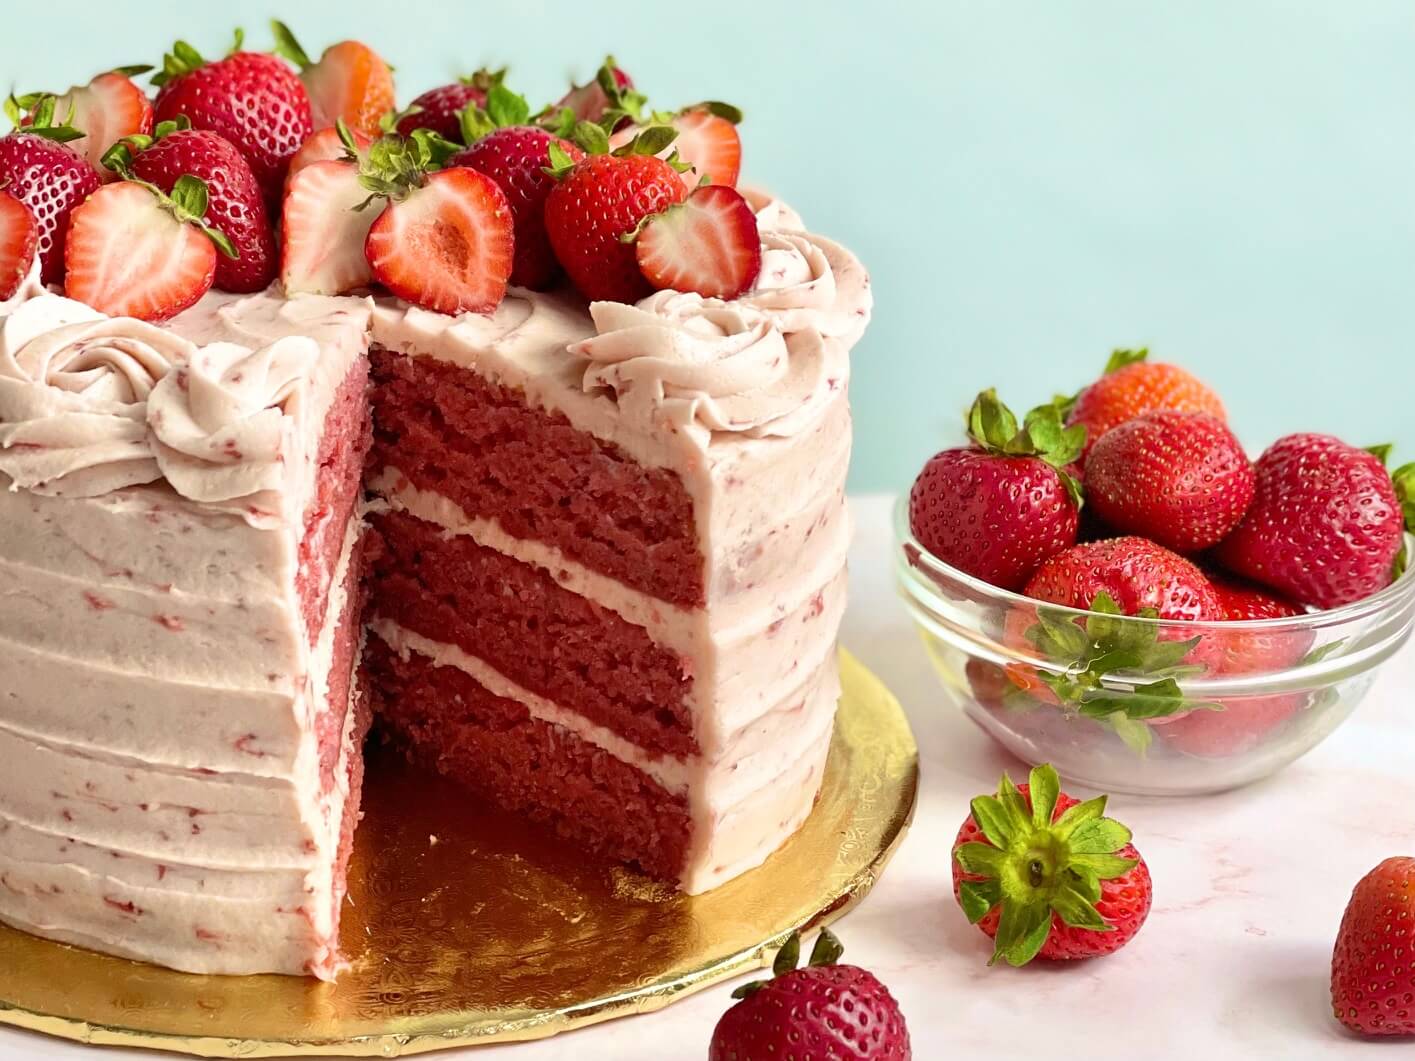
(625, 528)
(179, 626)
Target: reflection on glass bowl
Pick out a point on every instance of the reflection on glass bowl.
(1147, 705)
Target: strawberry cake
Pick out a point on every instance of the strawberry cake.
(521, 438)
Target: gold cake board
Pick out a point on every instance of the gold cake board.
(467, 927)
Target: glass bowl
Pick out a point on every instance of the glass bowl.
(1147, 706)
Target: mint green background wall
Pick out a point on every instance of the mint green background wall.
(1229, 181)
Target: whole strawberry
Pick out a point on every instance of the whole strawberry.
(1047, 876)
(1133, 385)
(1243, 722)
(235, 207)
(39, 169)
(513, 153)
(1327, 523)
(440, 109)
(1373, 966)
(1258, 651)
(1180, 479)
(1134, 572)
(349, 83)
(252, 99)
(600, 199)
(825, 1011)
(1000, 507)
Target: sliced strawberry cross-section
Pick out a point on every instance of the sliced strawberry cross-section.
(326, 223)
(325, 145)
(447, 245)
(108, 108)
(19, 241)
(134, 251)
(709, 244)
(708, 141)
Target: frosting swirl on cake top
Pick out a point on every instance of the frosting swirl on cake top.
(74, 385)
(225, 423)
(722, 366)
(91, 403)
(809, 281)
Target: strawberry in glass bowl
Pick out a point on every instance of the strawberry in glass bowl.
(1150, 611)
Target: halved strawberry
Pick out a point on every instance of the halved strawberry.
(708, 243)
(135, 252)
(324, 146)
(325, 231)
(447, 244)
(708, 141)
(350, 82)
(105, 110)
(19, 241)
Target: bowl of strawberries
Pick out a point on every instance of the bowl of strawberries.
(1112, 585)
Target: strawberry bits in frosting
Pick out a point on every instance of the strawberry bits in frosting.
(223, 424)
(74, 385)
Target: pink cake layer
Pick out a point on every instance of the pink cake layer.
(331, 962)
(329, 723)
(342, 451)
(447, 721)
(521, 622)
(480, 444)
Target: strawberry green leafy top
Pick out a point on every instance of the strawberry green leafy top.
(1034, 867)
(993, 427)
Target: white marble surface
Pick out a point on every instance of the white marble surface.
(1249, 889)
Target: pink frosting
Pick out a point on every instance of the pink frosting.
(808, 281)
(224, 424)
(73, 391)
(723, 366)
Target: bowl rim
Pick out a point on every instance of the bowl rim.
(1398, 593)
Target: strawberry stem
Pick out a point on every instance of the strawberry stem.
(180, 61)
(395, 166)
(503, 109)
(1034, 868)
(287, 46)
(1107, 644)
(1123, 358)
(827, 951)
(41, 106)
(993, 426)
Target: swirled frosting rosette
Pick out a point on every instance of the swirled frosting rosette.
(73, 391)
(808, 281)
(224, 425)
(772, 214)
(719, 366)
